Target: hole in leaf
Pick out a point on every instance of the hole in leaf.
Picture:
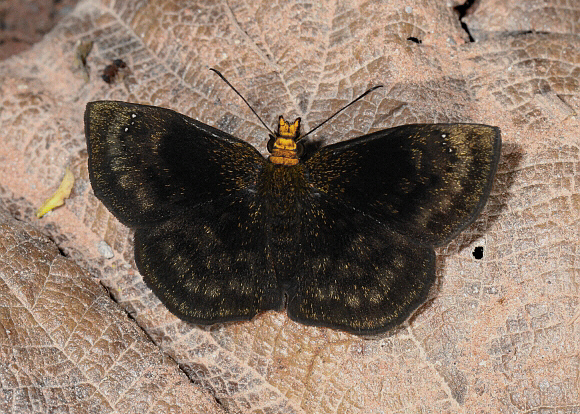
(478, 252)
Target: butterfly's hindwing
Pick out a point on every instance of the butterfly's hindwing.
(355, 273)
(211, 263)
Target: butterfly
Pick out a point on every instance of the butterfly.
(343, 238)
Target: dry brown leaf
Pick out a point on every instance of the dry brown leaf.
(66, 346)
(548, 16)
(500, 335)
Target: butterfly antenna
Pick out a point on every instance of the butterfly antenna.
(243, 99)
(340, 110)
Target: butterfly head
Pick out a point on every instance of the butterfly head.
(284, 147)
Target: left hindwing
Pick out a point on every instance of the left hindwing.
(147, 163)
(211, 263)
(425, 181)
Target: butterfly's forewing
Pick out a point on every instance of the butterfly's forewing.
(147, 163)
(355, 273)
(425, 181)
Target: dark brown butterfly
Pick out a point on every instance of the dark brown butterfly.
(343, 238)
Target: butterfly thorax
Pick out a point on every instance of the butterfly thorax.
(284, 147)
(281, 186)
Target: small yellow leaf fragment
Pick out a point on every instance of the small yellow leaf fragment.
(82, 50)
(57, 199)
